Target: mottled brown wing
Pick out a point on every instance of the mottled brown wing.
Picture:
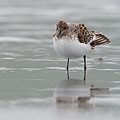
(84, 35)
(100, 39)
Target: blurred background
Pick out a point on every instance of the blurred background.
(30, 68)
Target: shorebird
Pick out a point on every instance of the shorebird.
(76, 40)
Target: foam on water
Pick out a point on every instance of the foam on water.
(6, 69)
(111, 101)
(17, 39)
(45, 108)
(53, 114)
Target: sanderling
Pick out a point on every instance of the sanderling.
(76, 40)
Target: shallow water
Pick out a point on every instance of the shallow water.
(30, 68)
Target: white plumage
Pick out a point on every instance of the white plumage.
(71, 48)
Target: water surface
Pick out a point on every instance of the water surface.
(30, 68)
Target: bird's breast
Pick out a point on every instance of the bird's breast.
(71, 48)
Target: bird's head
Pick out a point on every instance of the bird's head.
(61, 28)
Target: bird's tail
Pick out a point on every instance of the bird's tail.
(100, 39)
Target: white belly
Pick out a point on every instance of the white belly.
(71, 48)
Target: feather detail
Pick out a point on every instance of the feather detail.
(72, 31)
(100, 39)
(84, 35)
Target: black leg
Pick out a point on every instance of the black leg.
(85, 68)
(67, 68)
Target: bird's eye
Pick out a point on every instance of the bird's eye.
(57, 28)
(64, 28)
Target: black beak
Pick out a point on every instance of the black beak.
(59, 33)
